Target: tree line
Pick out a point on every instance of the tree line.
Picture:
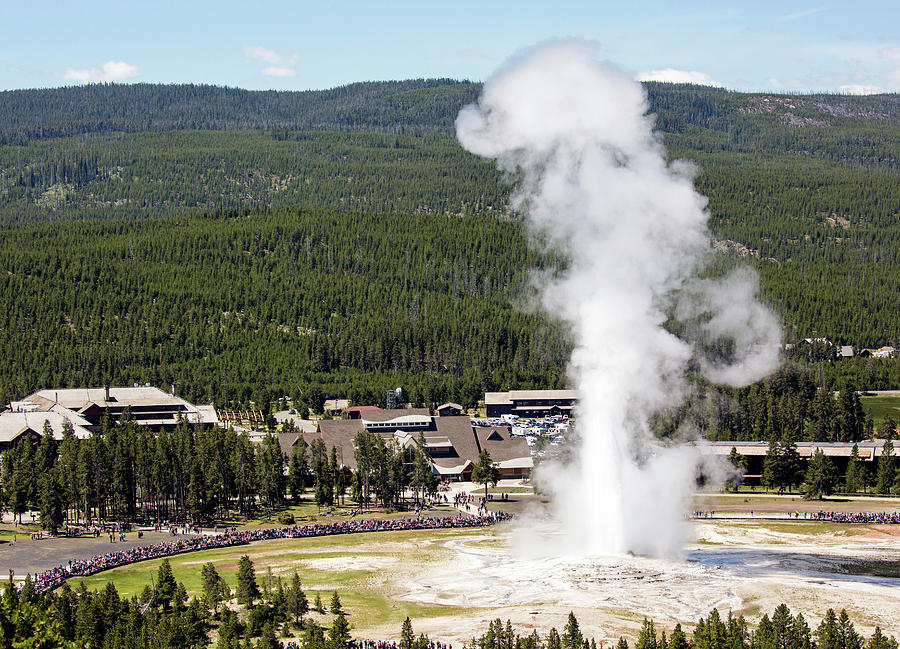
(129, 473)
(789, 402)
(163, 615)
(783, 469)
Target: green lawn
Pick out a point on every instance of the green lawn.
(350, 564)
(882, 406)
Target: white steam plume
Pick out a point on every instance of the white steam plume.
(592, 177)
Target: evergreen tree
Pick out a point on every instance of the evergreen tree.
(679, 639)
(247, 588)
(879, 641)
(215, 589)
(820, 476)
(339, 634)
(297, 604)
(738, 468)
(853, 481)
(485, 471)
(28, 594)
(407, 638)
(571, 637)
(886, 469)
(335, 606)
(298, 469)
(165, 586)
(268, 639)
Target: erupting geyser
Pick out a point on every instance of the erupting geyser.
(591, 176)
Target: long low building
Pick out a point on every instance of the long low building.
(868, 451)
(530, 403)
(86, 408)
(452, 443)
(755, 453)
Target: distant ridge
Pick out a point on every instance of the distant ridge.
(416, 106)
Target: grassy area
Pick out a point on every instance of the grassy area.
(881, 406)
(807, 527)
(479, 491)
(743, 503)
(351, 564)
(8, 531)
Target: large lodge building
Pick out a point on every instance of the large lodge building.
(452, 443)
(86, 408)
(530, 403)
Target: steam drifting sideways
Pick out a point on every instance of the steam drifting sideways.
(592, 179)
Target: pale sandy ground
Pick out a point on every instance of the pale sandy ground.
(740, 567)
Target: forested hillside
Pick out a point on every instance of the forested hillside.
(239, 242)
(419, 106)
(238, 306)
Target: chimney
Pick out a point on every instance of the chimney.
(106, 390)
(173, 390)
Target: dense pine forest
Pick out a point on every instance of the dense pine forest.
(248, 244)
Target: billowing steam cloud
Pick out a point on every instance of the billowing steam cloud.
(591, 176)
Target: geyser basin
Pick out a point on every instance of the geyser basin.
(610, 594)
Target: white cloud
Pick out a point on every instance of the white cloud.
(278, 71)
(670, 75)
(860, 89)
(110, 71)
(261, 53)
(802, 14)
(279, 65)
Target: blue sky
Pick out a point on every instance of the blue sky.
(762, 45)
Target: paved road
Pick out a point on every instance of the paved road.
(27, 556)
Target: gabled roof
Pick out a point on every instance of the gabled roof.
(339, 433)
(453, 470)
(146, 399)
(13, 424)
(501, 445)
(458, 431)
(287, 441)
(361, 408)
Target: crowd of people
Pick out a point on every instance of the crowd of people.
(373, 644)
(50, 579)
(465, 501)
(834, 517)
(856, 517)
